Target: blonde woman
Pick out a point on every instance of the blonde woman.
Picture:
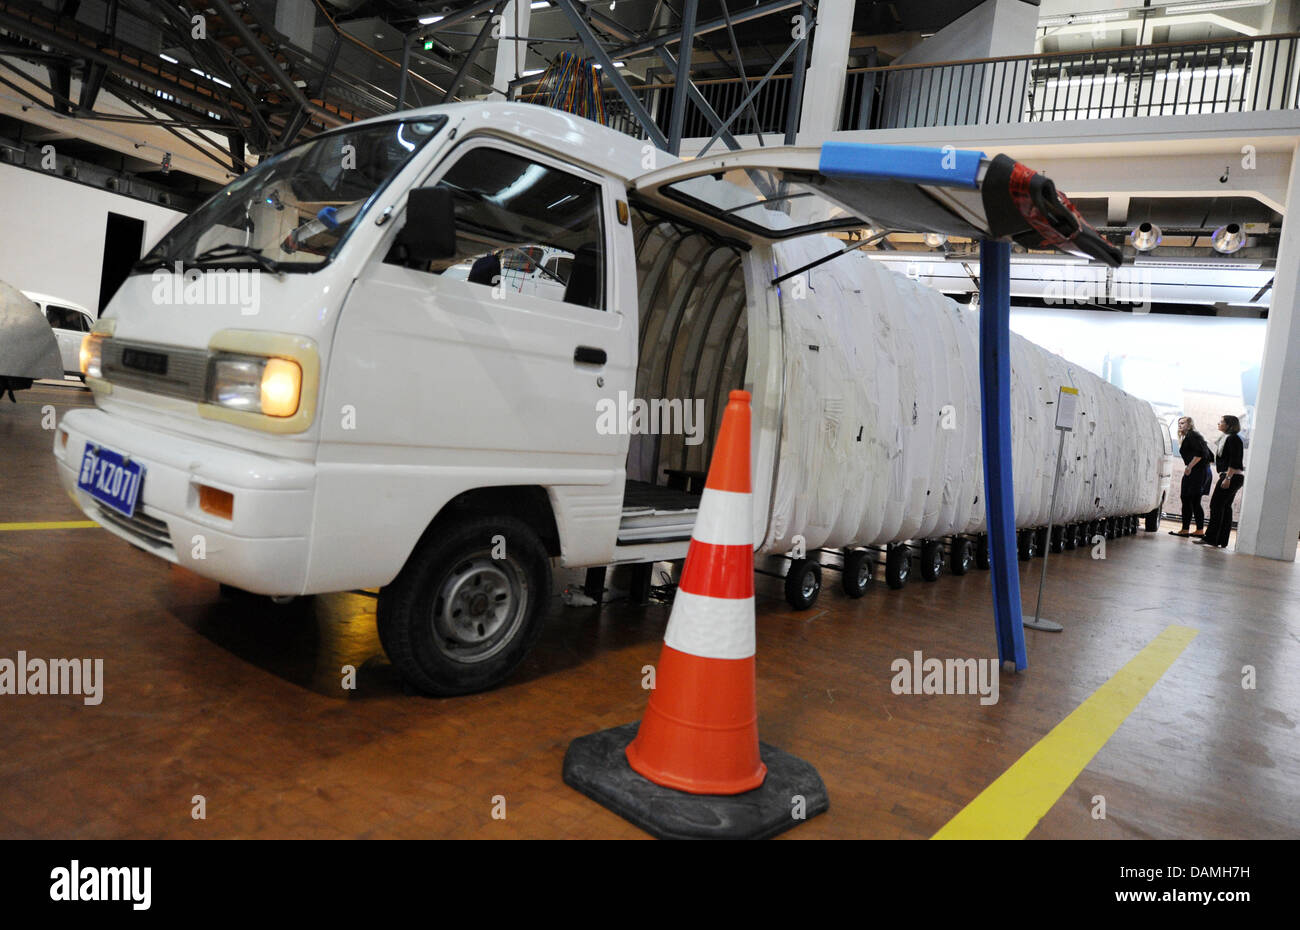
(1196, 473)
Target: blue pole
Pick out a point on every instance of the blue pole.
(995, 425)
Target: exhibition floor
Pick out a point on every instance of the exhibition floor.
(239, 701)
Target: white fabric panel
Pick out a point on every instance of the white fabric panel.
(711, 627)
(874, 361)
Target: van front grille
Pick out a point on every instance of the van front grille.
(149, 530)
(168, 370)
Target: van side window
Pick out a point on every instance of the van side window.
(66, 318)
(527, 227)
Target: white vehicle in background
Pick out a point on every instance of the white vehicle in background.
(388, 417)
(70, 323)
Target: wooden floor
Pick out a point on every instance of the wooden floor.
(239, 701)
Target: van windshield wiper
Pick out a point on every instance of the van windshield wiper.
(233, 250)
(161, 261)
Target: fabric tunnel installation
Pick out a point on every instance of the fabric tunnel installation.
(877, 401)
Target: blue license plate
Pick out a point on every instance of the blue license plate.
(111, 478)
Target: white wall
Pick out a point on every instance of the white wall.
(52, 234)
(1165, 356)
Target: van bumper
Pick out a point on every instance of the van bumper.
(263, 548)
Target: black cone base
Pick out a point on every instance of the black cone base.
(596, 766)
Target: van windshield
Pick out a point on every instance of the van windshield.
(292, 211)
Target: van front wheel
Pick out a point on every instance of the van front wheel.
(468, 605)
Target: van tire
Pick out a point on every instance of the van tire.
(982, 560)
(436, 618)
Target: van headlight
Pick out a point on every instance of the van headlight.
(92, 355)
(269, 386)
(262, 380)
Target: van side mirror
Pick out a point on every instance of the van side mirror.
(430, 230)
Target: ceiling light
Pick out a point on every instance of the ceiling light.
(430, 20)
(1079, 19)
(1173, 9)
(539, 4)
(1145, 238)
(168, 58)
(1228, 239)
(935, 240)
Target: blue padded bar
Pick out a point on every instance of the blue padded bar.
(918, 164)
(995, 425)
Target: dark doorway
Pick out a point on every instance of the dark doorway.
(123, 240)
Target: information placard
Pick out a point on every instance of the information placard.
(1067, 408)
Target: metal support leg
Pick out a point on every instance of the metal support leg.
(639, 591)
(594, 584)
(1038, 623)
(995, 423)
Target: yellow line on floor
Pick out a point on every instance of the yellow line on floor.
(51, 525)
(1011, 807)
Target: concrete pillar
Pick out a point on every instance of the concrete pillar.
(823, 95)
(510, 54)
(1270, 507)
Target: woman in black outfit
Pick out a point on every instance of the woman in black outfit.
(1196, 461)
(1232, 473)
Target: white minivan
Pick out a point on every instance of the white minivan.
(70, 323)
(430, 353)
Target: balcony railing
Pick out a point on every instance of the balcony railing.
(1169, 79)
(1185, 78)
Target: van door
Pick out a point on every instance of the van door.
(785, 192)
(487, 369)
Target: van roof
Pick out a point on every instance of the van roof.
(574, 138)
(38, 298)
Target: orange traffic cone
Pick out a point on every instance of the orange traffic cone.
(700, 732)
(695, 768)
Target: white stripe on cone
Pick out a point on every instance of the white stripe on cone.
(711, 627)
(726, 519)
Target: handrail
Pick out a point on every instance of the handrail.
(1020, 88)
(1093, 53)
(1235, 74)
